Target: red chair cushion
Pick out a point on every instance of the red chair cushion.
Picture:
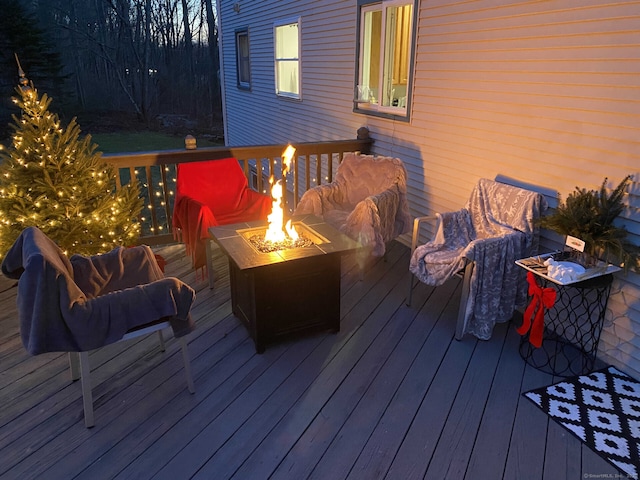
(211, 193)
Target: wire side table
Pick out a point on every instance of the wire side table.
(572, 327)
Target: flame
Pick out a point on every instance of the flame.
(275, 232)
(287, 155)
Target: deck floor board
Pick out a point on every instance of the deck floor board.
(392, 395)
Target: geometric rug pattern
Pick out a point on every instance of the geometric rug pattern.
(602, 409)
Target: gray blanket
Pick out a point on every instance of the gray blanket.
(83, 303)
(497, 227)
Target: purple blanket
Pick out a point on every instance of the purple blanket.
(83, 303)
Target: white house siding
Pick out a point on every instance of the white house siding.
(545, 93)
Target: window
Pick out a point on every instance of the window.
(287, 58)
(243, 68)
(385, 53)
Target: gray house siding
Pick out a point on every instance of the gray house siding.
(546, 93)
(259, 116)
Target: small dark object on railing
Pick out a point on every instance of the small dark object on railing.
(190, 142)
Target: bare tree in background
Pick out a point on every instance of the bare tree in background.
(214, 53)
(145, 56)
(188, 39)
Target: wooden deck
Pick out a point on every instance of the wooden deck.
(392, 395)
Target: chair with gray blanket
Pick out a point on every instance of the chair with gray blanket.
(483, 240)
(83, 303)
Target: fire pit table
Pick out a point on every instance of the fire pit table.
(289, 291)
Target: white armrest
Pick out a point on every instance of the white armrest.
(416, 228)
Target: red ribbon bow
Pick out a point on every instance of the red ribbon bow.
(541, 298)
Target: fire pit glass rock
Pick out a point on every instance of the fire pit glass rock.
(266, 246)
(307, 237)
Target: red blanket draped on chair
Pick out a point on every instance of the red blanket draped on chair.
(211, 193)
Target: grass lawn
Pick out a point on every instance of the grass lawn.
(121, 142)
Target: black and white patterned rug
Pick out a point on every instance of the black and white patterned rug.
(602, 409)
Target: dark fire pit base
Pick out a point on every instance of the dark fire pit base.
(284, 299)
(289, 292)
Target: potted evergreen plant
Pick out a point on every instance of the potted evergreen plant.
(589, 215)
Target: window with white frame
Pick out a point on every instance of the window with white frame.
(385, 57)
(243, 68)
(287, 58)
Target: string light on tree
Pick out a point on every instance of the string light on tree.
(55, 180)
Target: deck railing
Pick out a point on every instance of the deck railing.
(313, 164)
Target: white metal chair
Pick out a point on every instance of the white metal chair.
(482, 242)
(83, 303)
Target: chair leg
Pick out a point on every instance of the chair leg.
(410, 295)
(161, 339)
(365, 261)
(87, 397)
(187, 365)
(74, 365)
(464, 299)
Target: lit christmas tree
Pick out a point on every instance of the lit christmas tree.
(51, 179)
